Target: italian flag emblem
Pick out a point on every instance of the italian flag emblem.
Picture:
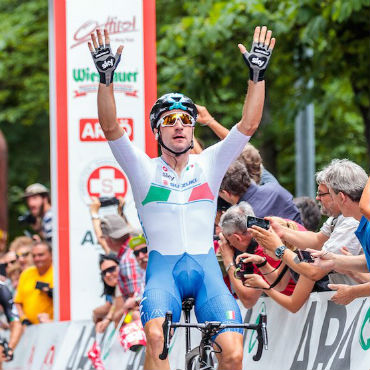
(230, 315)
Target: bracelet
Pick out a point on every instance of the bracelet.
(95, 216)
(229, 266)
(262, 263)
(270, 272)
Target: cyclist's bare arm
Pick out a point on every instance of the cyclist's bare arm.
(106, 103)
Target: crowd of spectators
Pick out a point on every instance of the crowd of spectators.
(287, 260)
(26, 271)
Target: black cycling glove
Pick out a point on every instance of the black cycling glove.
(257, 60)
(105, 63)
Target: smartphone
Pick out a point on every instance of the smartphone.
(2, 269)
(305, 256)
(261, 222)
(40, 285)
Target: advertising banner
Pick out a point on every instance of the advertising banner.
(82, 164)
(321, 336)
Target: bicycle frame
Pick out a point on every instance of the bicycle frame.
(209, 329)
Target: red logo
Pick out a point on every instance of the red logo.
(113, 25)
(90, 129)
(164, 168)
(107, 181)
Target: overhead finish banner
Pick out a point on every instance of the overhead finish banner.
(82, 164)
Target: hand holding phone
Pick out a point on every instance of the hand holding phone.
(261, 222)
(305, 256)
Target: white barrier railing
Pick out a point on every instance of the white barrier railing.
(322, 335)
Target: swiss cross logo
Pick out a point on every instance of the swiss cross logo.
(107, 181)
(90, 129)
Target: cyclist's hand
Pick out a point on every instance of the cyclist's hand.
(250, 258)
(255, 281)
(105, 61)
(258, 58)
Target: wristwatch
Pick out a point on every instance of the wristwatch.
(279, 251)
(229, 266)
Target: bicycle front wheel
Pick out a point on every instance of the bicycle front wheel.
(193, 361)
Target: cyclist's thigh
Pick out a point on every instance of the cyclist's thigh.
(161, 293)
(214, 302)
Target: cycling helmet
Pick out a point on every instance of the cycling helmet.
(169, 102)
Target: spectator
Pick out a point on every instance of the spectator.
(22, 246)
(269, 199)
(38, 202)
(337, 232)
(10, 259)
(109, 271)
(95, 218)
(309, 211)
(3, 239)
(348, 186)
(14, 273)
(116, 232)
(34, 297)
(235, 240)
(138, 245)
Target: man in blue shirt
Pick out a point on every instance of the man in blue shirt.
(270, 199)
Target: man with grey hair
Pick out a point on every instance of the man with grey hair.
(337, 232)
(234, 240)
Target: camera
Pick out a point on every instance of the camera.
(243, 268)
(261, 222)
(305, 256)
(108, 201)
(27, 218)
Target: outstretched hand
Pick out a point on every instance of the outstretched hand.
(258, 58)
(344, 294)
(102, 55)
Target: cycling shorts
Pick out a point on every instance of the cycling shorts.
(172, 278)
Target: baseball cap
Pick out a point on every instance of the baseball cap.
(35, 189)
(115, 226)
(136, 240)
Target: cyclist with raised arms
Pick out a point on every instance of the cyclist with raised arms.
(176, 199)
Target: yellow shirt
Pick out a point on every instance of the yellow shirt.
(33, 300)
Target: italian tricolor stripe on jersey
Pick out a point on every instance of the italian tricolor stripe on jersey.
(161, 194)
(230, 315)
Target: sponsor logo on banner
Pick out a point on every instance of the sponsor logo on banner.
(103, 178)
(114, 25)
(107, 181)
(124, 82)
(90, 129)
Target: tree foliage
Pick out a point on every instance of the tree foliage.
(321, 41)
(24, 96)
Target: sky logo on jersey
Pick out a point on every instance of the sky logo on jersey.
(230, 315)
(161, 194)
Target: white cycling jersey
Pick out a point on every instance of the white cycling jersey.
(177, 212)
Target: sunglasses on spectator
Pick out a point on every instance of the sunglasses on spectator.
(24, 254)
(10, 262)
(109, 270)
(141, 250)
(170, 120)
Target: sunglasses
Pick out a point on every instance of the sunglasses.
(10, 262)
(24, 254)
(109, 270)
(141, 250)
(170, 120)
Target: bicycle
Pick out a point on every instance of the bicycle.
(201, 357)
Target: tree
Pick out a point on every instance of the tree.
(323, 41)
(24, 96)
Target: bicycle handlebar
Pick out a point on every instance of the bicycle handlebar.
(213, 327)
